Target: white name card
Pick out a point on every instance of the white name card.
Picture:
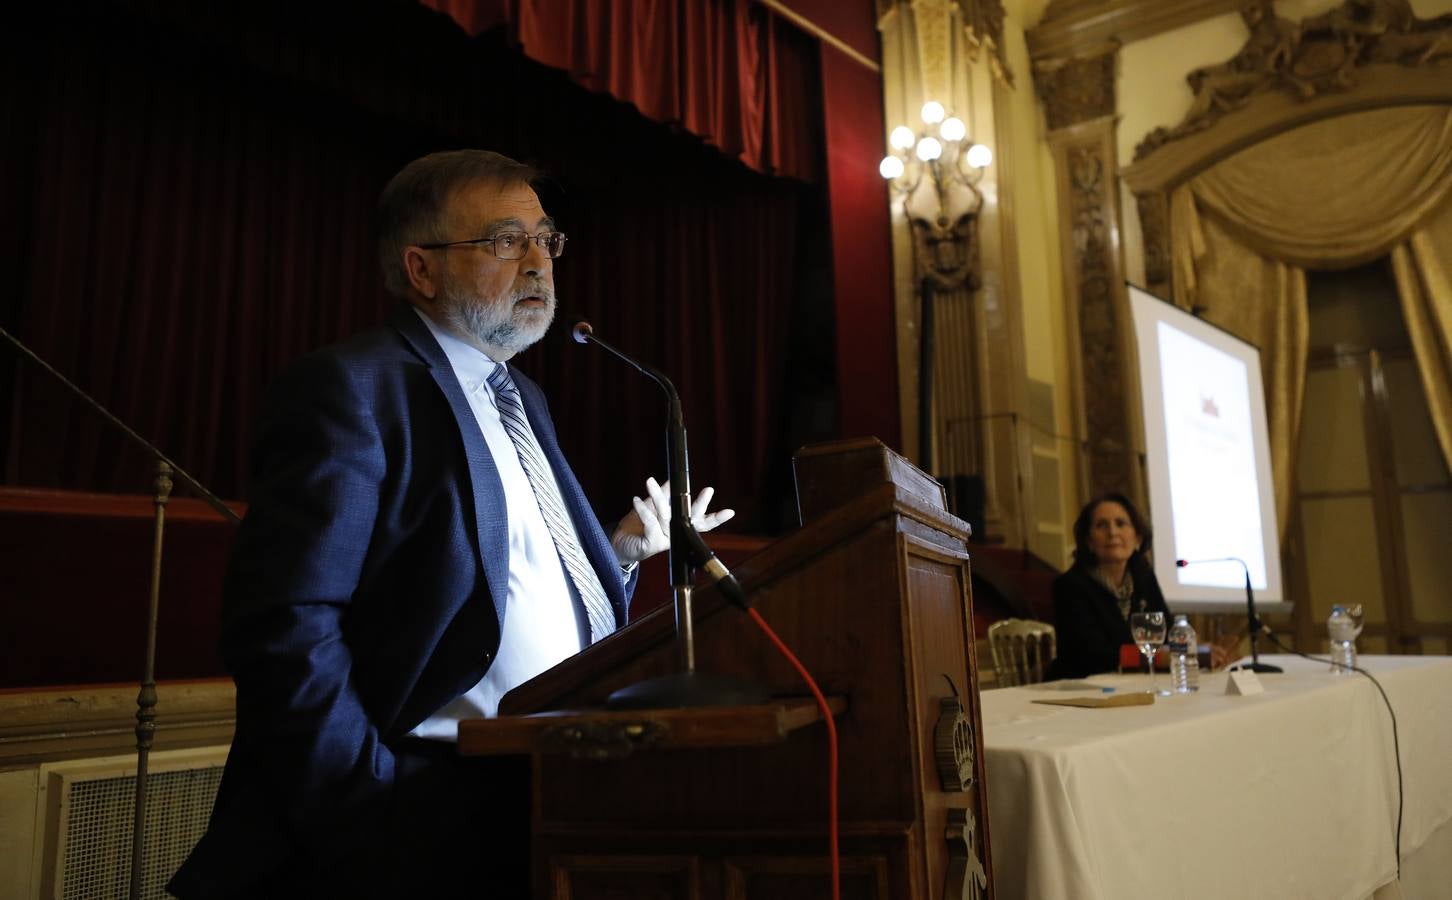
(1243, 683)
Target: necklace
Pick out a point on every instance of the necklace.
(1123, 592)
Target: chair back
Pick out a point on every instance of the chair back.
(1022, 650)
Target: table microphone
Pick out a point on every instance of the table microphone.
(1255, 624)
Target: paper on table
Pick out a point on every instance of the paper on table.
(1135, 698)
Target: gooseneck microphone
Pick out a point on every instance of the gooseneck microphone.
(689, 687)
(1254, 622)
(688, 548)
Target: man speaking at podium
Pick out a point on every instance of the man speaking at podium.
(415, 546)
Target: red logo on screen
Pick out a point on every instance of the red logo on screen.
(1208, 407)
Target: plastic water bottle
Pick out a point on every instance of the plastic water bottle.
(1184, 656)
(1341, 629)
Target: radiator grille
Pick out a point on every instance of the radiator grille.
(97, 860)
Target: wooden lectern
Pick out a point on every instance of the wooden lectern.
(872, 593)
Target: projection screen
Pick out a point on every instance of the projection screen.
(1207, 459)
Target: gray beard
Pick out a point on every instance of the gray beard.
(499, 323)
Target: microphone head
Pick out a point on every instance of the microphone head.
(581, 331)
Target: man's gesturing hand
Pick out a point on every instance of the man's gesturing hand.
(646, 530)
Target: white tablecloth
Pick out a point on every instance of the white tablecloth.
(1287, 794)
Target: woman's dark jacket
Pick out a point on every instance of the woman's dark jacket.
(1088, 627)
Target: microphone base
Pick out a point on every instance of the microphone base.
(1260, 667)
(685, 690)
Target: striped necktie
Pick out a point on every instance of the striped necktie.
(551, 506)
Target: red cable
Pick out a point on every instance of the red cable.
(831, 746)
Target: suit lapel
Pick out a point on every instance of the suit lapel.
(487, 491)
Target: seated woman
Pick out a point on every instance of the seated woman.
(1109, 580)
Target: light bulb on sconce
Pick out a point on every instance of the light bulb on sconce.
(944, 235)
(942, 148)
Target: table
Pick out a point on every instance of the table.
(1286, 794)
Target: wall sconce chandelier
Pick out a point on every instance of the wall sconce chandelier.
(945, 247)
(942, 148)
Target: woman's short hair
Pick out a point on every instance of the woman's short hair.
(411, 208)
(1082, 554)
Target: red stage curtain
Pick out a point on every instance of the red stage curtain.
(188, 227)
(190, 207)
(728, 71)
(861, 264)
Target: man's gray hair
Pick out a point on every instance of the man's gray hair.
(411, 208)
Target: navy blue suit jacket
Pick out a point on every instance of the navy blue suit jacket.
(366, 589)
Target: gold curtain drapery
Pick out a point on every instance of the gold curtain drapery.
(1336, 193)
(1423, 268)
(1330, 195)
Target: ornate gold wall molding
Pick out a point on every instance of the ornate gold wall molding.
(1321, 55)
(1085, 158)
(982, 24)
(1077, 89)
(1078, 93)
(1072, 27)
(1154, 224)
(983, 21)
(934, 33)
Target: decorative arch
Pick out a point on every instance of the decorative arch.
(1155, 175)
(1363, 55)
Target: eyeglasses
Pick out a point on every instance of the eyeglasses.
(513, 244)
